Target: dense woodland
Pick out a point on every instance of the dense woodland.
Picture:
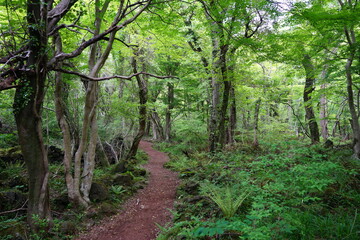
(256, 101)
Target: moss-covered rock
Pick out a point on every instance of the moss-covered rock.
(61, 202)
(107, 209)
(139, 172)
(120, 167)
(98, 192)
(68, 227)
(55, 154)
(123, 179)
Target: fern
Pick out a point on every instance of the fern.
(226, 198)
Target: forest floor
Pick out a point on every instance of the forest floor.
(150, 206)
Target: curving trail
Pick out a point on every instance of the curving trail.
(149, 206)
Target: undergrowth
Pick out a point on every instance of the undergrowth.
(282, 190)
(67, 220)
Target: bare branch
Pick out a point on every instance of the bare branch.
(122, 41)
(14, 210)
(61, 26)
(98, 79)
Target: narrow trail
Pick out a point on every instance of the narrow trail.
(149, 206)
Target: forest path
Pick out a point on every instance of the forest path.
(148, 206)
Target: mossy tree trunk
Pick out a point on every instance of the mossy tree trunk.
(27, 108)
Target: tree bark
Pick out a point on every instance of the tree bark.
(101, 155)
(143, 98)
(158, 130)
(27, 109)
(60, 107)
(170, 106)
(352, 48)
(308, 90)
(256, 122)
(225, 98)
(323, 115)
(232, 117)
(215, 95)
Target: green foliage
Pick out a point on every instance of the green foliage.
(47, 230)
(118, 190)
(228, 198)
(297, 192)
(12, 228)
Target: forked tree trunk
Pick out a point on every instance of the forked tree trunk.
(158, 130)
(308, 90)
(79, 179)
(27, 109)
(73, 192)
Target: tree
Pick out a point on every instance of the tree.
(308, 89)
(42, 20)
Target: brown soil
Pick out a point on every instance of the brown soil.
(137, 220)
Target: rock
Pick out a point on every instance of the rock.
(139, 185)
(139, 172)
(123, 179)
(61, 202)
(55, 154)
(120, 167)
(68, 228)
(107, 209)
(191, 188)
(98, 192)
(328, 144)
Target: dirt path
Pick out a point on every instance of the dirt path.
(149, 206)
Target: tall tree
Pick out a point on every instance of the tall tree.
(30, 79)
(308, 90)
(27, 108)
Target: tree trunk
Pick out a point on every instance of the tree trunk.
(60, 107)
(27, 109)
(143, 98)
(225, 98)
(215, 96)
(158, 131)
(256, 121)
(101, 155)
(354, 114)
(323, 115)
(232, 118)
(170, 106)
(308, 90)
